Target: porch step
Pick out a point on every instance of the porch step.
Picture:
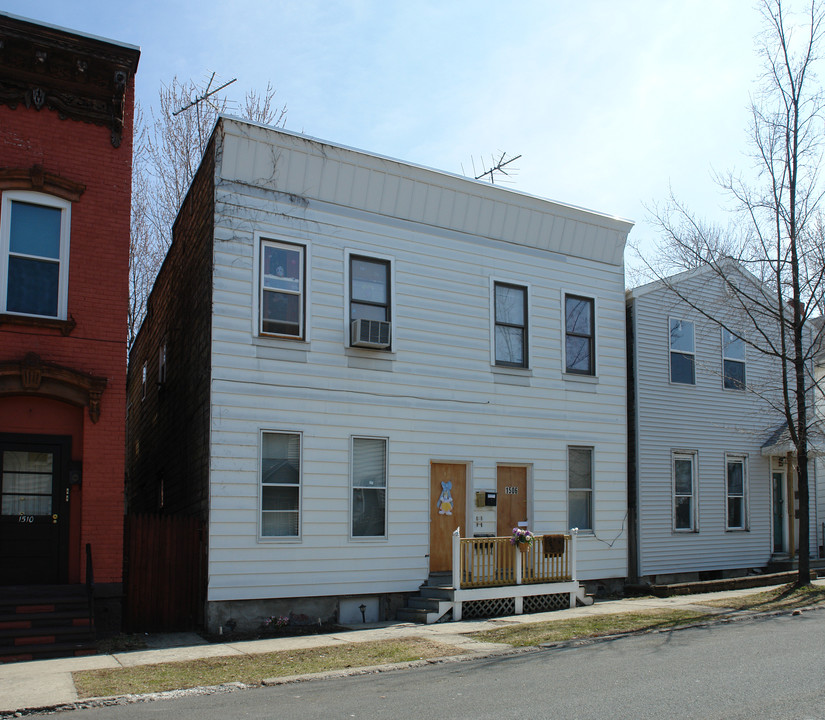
(433, 602)
(583, 599)
(44, 621)
(424, 610)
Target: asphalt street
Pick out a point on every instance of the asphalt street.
(767, 668)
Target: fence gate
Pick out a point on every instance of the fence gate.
(164, 573)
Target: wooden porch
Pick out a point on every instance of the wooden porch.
(491, 576)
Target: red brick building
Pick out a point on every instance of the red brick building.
(66, 106)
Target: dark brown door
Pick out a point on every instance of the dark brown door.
(34, 506)
(447, 512)
(511, 499)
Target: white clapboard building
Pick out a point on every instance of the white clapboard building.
(358, 356)
(713, 488)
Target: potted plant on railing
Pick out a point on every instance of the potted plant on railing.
(522, 539)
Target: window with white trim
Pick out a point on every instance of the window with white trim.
(280, 484)
(369, 280)
(369, 487)
(733, 361)
(510, 321)
(579, 335)
(737, 484)
(282, 289)
(684, 491)
(580, 487)
(682, 352)
(34, 254)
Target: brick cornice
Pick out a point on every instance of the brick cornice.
(32, 376)
(40, 180)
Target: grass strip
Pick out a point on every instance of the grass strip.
(786, 597)
(251, 669)
(525, 635)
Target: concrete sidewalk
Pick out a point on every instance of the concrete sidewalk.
(47, 683)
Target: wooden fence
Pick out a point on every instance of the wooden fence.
(165, 561)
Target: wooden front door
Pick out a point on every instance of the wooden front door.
(448, 502)
(34, 509)
(778, 512)
(511, 499)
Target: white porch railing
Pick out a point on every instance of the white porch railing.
(485, 568)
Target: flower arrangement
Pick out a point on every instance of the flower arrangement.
(522, 537)
(276, 622)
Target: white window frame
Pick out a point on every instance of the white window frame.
(281, 538)
(567, 374)
(671, 351)
(368, 255)
(691, 455)
(741, 361)
(528, 334)
(353, 487)
(261, 239)
(732, 458)
(35, 198)
(591, 490)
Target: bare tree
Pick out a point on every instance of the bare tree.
(168, 148)
(778, 230)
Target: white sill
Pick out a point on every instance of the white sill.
(289, 539)
(376, 539)
(575, 377)
(281, 342)
(370, 352)
(508, 370)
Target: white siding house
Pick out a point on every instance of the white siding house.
(711, 482)
(379, 329)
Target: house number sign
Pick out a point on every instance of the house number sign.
(511, 490)
(25, 518)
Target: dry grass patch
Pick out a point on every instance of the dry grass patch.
(252, 669)
(523, 635)
(786, 597)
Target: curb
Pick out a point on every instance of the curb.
(129, 699)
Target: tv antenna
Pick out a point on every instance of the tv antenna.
(206, 94)
(497, 167)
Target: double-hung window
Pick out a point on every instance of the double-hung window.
(34, 254)
(282, 289)
(369, 487)
(580, 487)
(682, 352)
(737, 482)
(510, 313)
(579, 335)
(733, 361)
(280, 484)
(684, 491)
(369, 289)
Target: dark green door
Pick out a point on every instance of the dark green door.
(778, 512)
(34, 508)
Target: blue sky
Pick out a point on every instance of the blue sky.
(607, 102)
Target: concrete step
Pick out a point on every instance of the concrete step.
(413, 615)
(429, 604)
(45, 622)
(442, 593)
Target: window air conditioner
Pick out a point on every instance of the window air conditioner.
(371, 333)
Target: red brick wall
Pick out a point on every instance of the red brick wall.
(97, 300)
